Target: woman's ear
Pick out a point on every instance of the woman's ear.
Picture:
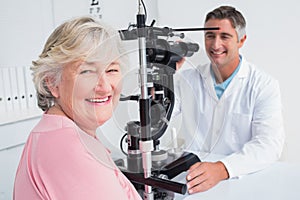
(53, 89)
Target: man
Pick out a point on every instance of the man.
(229, 107)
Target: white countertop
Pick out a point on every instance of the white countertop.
(277, 182)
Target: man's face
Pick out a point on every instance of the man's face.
(222, 46)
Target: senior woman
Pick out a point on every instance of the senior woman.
(78, 82)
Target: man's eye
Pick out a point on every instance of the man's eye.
(225, 37)
(209, 36)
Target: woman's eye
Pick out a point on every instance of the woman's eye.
(114, 67)
(86, 71)
(112, 70)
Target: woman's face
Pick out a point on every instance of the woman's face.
(89, 92)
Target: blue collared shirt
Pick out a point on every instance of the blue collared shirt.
(220, 88)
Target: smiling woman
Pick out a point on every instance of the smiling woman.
(87, 93)
(78, 82)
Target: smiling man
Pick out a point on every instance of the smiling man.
(229, 107)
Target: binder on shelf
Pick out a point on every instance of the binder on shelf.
(30, 90)
(21, 88)
(7, 91)
(2, 96)
(14, 89)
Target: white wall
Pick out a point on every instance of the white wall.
(24, 28)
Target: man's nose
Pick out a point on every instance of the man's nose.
(216, 43)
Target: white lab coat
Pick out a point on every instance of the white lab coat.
(245, 124)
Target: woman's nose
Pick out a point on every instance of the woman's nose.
(103, 84)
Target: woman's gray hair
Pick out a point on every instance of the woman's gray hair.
(79, 39)
(234, 16)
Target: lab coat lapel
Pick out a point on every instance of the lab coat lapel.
(237, 81)
(219, 111)
(208, 81)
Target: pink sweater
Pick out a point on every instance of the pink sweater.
(61, 162)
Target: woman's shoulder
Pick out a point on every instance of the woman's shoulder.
(52, 123)
(54, 136)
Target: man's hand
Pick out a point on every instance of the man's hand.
(179, 63)
(204, 175)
